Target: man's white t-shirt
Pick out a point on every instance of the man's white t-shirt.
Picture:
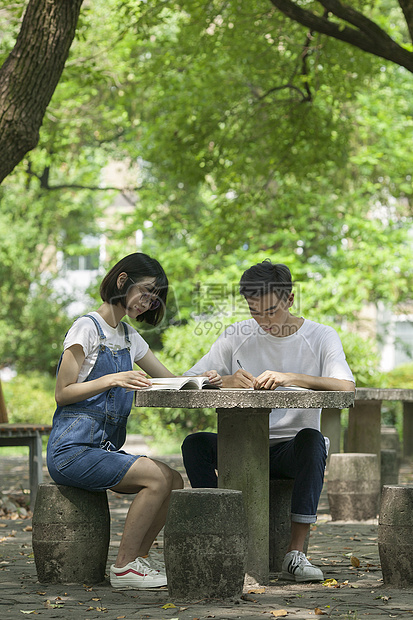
(314, 349)
(85, 333)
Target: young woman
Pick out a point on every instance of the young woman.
(94, 394)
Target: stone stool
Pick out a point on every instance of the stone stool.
(205, 544)
(280, 522)
(395, 535)
(71, 532)
(389, 467)
(353, 486)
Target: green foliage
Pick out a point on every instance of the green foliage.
(30, 398)
(244, 139)
(362, 357)
(399, 377)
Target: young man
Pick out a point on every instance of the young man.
(277, 349)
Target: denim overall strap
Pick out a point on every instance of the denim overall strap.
(125, 329)
(98, 327)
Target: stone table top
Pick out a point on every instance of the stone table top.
(384, 394)
(244, 399)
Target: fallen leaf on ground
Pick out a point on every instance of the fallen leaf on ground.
(28, 528)
(279, 613)
(257, 591)
(354, 561)
(319, 612)
(330, 583)
(168, 606)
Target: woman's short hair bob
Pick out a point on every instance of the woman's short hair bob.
(138, 267)
(266, 277)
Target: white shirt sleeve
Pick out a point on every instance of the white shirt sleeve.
(83, 332)
(334, 363)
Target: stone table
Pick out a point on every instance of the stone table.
(364, 422)
(243, 452)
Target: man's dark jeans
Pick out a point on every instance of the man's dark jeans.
(302, 459)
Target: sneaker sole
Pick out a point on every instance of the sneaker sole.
(291, 577)
(132, 584)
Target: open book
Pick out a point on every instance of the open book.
(181, 383)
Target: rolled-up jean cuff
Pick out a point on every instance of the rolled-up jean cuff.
(303, 518)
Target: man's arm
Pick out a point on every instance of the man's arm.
(270, 379)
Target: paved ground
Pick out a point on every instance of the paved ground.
(350, 591)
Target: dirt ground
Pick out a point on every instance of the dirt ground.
(347, 553)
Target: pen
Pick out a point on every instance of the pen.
(239, 364)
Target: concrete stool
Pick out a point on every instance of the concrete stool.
(71, 532)
(389, 467)
(205, 544)
(353, 486)
(395, 535)
(280, 522)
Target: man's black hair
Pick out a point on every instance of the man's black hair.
(264, 278)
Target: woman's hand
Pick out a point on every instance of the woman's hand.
(130, 380)
(214, 377)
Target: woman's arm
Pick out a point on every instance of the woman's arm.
(68, 391)
(154, 368)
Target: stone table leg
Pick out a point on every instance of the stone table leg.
(243, 465)
(364, 427)
(331, 428)
(407, 428)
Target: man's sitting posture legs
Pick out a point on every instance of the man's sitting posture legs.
(302, 458)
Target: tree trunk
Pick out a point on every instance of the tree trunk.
(31, 73)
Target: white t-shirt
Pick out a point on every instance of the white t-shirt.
(314, 349)
(85, 333)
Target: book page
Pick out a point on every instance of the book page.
(177, 383)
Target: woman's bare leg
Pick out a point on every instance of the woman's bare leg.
(153, 482)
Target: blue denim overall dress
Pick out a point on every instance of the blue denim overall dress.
(84, 445)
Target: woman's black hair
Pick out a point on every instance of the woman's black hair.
(138, 267)
(264, 278)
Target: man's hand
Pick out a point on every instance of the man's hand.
(271, 379)
(240, 379)
(214, 377)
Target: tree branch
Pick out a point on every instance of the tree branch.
(283, 87)
(407, 8)
(367, 35)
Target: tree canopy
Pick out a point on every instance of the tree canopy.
(247, 136)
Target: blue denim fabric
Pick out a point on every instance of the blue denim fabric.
(302, 459)
(84, 445)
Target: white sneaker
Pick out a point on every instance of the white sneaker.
(296, 567)
(136, 574)
(156, 560)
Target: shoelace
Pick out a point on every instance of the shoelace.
(297, 559)
(148, 570)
